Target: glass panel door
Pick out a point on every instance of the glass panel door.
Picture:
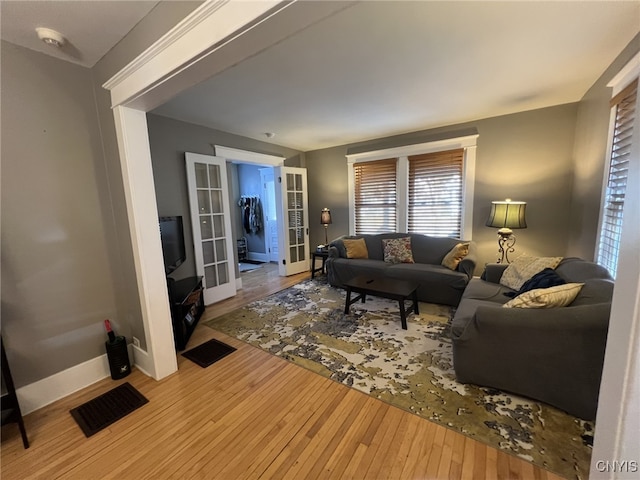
(294, 235)
(211, 225)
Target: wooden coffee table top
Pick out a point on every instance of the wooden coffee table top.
(386, 285)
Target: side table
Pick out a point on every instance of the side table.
(323, 254)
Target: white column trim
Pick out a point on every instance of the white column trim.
(139, 189)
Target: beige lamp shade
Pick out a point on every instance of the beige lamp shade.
(507, 214)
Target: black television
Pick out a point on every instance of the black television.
(173, 247)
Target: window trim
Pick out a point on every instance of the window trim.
(627, 75)
(468, 143)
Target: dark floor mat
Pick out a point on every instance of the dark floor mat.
(107, 408)
(208, 353)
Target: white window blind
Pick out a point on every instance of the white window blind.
(375, 196)
(613, 206)
(435, 193)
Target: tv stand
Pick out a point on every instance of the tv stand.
(187, 306)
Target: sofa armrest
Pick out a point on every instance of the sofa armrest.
(493, 272)
(468, 264)
(554, 355)
(333, 252)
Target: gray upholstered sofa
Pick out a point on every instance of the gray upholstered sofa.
(554, 354)
(437, 284)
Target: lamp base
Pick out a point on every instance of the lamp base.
(506, 241)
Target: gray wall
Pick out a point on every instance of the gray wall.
(66, 251)
(525, 156)
(592, 130)
(169, 140)
(57, 278)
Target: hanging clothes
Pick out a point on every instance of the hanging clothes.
(251, 213)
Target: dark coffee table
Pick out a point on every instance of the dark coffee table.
(391, 288)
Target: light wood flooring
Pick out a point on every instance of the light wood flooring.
(250, 415)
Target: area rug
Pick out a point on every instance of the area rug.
(411, 369)
(248, 267)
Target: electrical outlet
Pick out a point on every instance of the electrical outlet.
(136, 342)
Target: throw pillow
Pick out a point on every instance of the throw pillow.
(544, 279)
(558, 296)
(524, 267)
(356, 248)
(397, 250)
(455, 255)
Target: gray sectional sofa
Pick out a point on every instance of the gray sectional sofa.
(437, 284)
(554, 355)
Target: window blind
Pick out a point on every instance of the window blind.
(375, 196)
(613, 206)
(435, 193)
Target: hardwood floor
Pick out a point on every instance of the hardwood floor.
(250, 415)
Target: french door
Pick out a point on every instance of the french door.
(270, 214)
(211, 225)
(292, 201)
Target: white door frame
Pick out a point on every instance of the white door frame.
(215, 36)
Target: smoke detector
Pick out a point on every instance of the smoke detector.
(50, 37)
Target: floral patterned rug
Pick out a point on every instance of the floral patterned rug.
(411, 369)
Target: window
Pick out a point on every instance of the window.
(624, 105)
(435, 193)
(423, 188)
(375, 196)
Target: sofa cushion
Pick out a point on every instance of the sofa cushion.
(524, 267)
(594, 291)
(478, 289)
(355, 248)
(552, 297)
(544, 279)
(574, 269)
(465, 312)
(428, 274)
(397, 250)
(455, 255)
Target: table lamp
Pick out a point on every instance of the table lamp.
(325, 220)
(506, 215)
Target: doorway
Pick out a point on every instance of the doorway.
(270, 214)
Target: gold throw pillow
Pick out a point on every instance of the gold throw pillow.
(455, 255)
(356, 248)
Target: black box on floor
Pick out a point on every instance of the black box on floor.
(118, 358)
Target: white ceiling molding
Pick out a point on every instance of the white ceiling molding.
(246, 156)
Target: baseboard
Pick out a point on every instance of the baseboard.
(258, 257)
(142, 360)
(43, 392)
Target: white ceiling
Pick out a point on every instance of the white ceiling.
(383, 68)
(91, 28)
(375, 69)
